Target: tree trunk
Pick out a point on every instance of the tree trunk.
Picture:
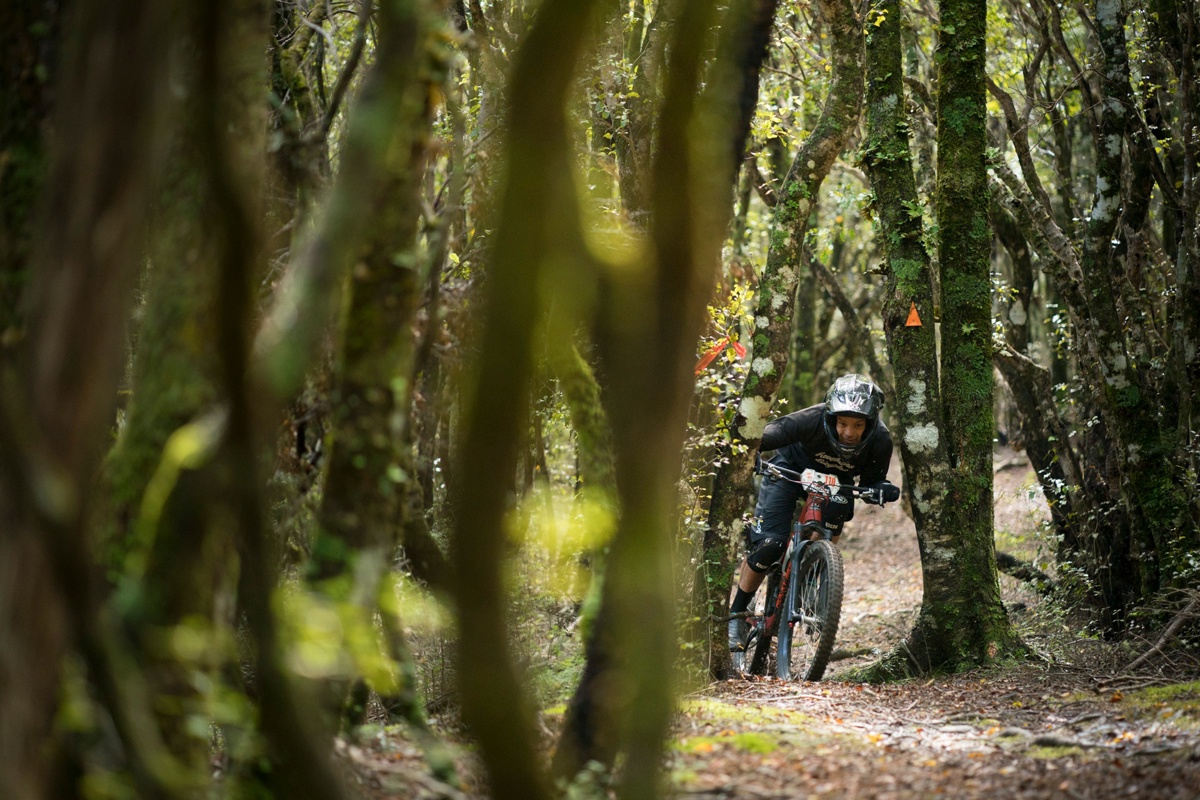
(945, 440)
(538, 185)
(172, 549)
(55, 428)
(364, 483)
(30, 34)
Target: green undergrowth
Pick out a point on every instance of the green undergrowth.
(715, 712)
(747, 742)
(711, 729)
(1178, 702)
(1046, 753)
(708, 724)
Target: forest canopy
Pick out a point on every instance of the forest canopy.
(353, 353)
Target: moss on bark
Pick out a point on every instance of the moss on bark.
(944, 427)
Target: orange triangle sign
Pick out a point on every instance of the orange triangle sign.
(914, 319)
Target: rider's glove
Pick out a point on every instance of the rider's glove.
(884, 492)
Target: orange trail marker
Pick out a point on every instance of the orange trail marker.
(914, 319)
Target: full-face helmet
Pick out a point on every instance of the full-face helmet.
(855, 396)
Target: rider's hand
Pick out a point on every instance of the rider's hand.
(884, 492)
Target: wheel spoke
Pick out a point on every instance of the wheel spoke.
(815, 616)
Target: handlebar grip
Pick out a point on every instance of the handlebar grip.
(890, 492)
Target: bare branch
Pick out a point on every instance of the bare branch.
(1188, 612)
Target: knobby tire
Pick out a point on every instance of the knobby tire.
(816, 586)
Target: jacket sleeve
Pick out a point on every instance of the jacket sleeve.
(875, 470)
(781, 432)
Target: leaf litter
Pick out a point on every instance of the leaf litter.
(1067, 726)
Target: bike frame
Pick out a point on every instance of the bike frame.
(819, 490)
(812, 518)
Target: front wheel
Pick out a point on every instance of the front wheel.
(814, 600)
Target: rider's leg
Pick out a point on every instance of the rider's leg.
(748, 579)
(768, 540)
(765, 553)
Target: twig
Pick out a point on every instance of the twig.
(1175, 624)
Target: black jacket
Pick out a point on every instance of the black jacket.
(802, 443)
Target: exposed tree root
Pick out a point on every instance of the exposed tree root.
(927, 652)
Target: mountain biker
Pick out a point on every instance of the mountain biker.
(843, 436)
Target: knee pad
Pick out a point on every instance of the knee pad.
(765, 554)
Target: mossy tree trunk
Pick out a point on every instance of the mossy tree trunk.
(648, 356)
(962, 618)
(374, 358)
(57, 418)
(585, 736)
(369, 468)
(172, 550)
(772, 343)
(943, 410)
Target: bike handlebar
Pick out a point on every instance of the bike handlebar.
(811, 480)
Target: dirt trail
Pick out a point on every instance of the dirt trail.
(1030, 731)
(1054, 729)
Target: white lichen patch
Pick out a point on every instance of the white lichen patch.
(777, 301)
(1135, 454)
(755, 411)
(1016, 314)
(762, 366)
(787, 274)
(1115, 368)
(944, 554)
(916, 400)
(922, 438)
(761, 323)
(918, 496)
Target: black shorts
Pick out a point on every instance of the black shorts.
(776, 508)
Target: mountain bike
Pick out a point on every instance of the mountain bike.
(804, 592)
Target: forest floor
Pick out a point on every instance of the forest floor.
(1069, 724)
